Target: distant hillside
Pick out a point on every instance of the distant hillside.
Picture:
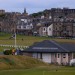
(19, 62)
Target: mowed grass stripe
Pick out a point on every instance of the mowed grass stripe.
(29, 40)
(23, 40)
(36, 72)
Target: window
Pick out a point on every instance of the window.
(58, 55)
(64, 55)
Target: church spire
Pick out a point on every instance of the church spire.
(25, 11)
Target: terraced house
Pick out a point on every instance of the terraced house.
(55, 22)
(63, 21)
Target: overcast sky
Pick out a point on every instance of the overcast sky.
(33, 6)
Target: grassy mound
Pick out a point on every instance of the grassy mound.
(19, 62)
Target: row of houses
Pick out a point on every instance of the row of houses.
(55, 22)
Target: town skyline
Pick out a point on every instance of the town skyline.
(34, 6)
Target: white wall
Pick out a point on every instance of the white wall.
(59, 58)
(25, 26)
(42, 17)
(50, 30)
(50, 17)
(22, 27)
(44, 32)
(65, 59)
(24, 20)
(46, 57)
(44, 29)
(18, 27)
(49, 57)
(31, 26)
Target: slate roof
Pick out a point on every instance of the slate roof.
(47, 46)
(69, 46)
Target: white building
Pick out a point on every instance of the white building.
(46, 30)
(50, 30)
(51, 52)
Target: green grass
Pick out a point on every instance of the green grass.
(19, 62)
(41, 71)
(2, 48)
(27, 40)
(21, 65)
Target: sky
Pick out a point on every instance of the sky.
(34, 6)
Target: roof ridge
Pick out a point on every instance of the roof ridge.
(59, 45)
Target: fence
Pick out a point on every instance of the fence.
(13, 46)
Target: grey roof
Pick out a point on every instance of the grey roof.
(47, 46)
(69, 46)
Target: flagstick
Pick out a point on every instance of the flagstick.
(15, 41)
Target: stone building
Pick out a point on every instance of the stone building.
(8, 21)
(63, 21)
(2, 11)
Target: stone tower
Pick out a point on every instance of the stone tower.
(25, 13)
(24, 10)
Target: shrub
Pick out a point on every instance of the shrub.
(7, 52)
